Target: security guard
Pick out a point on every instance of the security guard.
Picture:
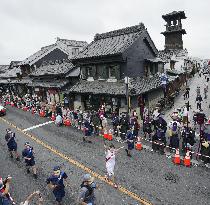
(56, 183)
(11, 144)
(130, 141)
(28, 155)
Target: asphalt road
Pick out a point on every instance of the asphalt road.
(148, 174)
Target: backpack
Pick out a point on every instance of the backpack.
(89, 191)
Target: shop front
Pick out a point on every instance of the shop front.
(94, 102)
(53, 96)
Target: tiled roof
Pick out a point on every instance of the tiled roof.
(36, 55)
(63, 44)
(167, 55)
(12, 73)
(97, 87)
(72, 43)
(174, 13)
(4, 81)
(14, 64)
(73, 73)
(53, 68)
(3, 68)
(48, 84)
(137, 86)
(175, 72)
(143, 85)
(114, 42)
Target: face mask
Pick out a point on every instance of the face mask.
(57, 173)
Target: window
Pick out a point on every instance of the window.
(75, 51)
(112, 72)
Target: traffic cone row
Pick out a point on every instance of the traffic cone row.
(186, 161)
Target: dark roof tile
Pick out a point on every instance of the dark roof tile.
(111, 43)
(53, 68)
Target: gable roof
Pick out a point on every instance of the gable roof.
(62, 44)
(3, 68)
(112, 43)
(36, 56)
(14, 64)
(11, 73)
(53, 68)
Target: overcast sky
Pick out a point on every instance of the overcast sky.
(27, 25)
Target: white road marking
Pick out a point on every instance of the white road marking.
(36, 126)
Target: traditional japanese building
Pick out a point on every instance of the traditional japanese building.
(62, 49)
(35, 64)
(175, 56)
(174, 31)
(112, 56)
(50, 80)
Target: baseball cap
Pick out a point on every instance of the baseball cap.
(8, 130)
(27, 143)
(56, 168)
(88, 177)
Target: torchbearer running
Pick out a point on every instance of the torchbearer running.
(28, 155)
(110, 162)
(12, 144)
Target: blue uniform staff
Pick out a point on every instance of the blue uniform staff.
(11, 144)
(130, 141)
(56, 183)
(28, 155)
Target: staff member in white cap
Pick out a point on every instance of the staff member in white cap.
(86, 195)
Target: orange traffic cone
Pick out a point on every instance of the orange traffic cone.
(25, 108)
(105, 134)
(42, 113)
(53, 116)
(33, 110)
(176, 159)
(187, 162)
(68, 122)
(109, 137)
(138, 144)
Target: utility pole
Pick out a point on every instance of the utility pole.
(127, 94)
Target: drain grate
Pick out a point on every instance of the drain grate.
(169, 176)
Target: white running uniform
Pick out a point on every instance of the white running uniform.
(110, 162)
